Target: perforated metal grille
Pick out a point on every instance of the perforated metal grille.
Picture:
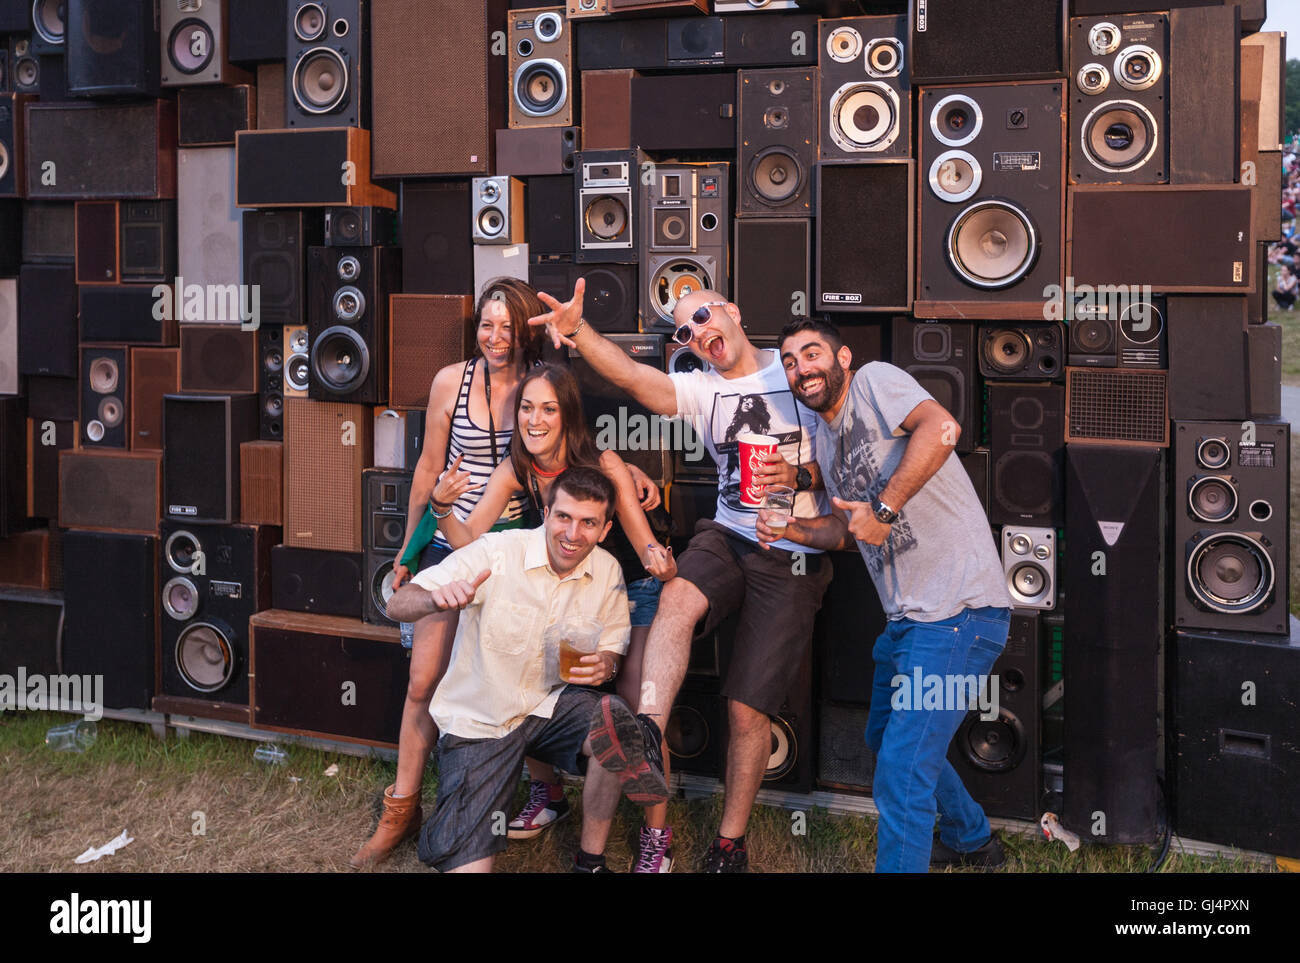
(261, 482)
(1117, 406)
(327, 444)
(428, 331)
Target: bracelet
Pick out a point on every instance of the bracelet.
(572, 334)
(433, 509)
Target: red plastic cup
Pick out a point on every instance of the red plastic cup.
(752, 447)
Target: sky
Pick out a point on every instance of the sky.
(1285, 15)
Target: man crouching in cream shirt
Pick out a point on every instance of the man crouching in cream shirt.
(502, 697)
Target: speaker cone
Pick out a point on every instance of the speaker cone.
(1006, 350)
(349, 304)
(672, 228)
(844, 44)
(103, 376)
(540, 87)
(181, 550)
(992, 244)
(381, 586)
(205, 657)
(296, 373)
(673, 281)
(47, 19)
(548, 27)
(491, 222)
(606, 218)
(95, 430)
(180, 599)
(864, 116)
(687, 732)
(1092, 335)
(1028, 583)
(956, 120)
(1212, 499)
(1142, 322)
(1103, 38)
(110, 411)
(320, 81)
(349, 268)
(348, 226)
(785, 750)
(340, 360)
(1230, 573)
(955, 176)
(607, 298)
(994, 745)
(1138, 67)
(1119, 136)
(190, 46)
(309, 22)
(27, 72)
(1213, 452)
(775, 175)
(884, 57)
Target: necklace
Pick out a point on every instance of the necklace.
(546, 474)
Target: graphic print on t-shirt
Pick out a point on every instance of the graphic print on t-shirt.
(738, 414)
(857, 479)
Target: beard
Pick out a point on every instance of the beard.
(833, 384)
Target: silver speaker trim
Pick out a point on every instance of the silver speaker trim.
(95, 430)
(340, 98)
(976, 127)
(549, 17)
(1105, 79)
(1099, 49)
(341, 313)
(1223, 606)
(1157, 66)
(349, 268)
(560, 73)
(54, 40)
(1113, 104)
(1035, 244)
(1213, 465)
(886, 140)
(1205, 480)
(220, 632)
(858, 45)
(976, 180)
(170, 609)
(324, 23)
(892, 42)
(171, 540)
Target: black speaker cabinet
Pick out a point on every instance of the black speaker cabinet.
(848, 623)
(437, 255)
(11, 240)
(1114, 536)
(976, 464)
(610, 301)
(31, 631)
(549, 203)
(311, 580)
(864, 236)
(113, 48)
(304, 665)
(1204, 94)
(215, 577)
(965, 40)
(49, 232)
(214, 116)
(47, 320)
(772, 282)
(122, 313)
(1119, 99)
(1207, 362)
(537, 150)
(776, 152)
(991, 173)
(202, 435)
(275, 254)
(1128, 334)
(604, 44)
(271, 385)
(105, 396)
(999, 760)
(763, 40)
(1231, 712)
(696, 730)
(608, 408)
(257, 30)
(1023, 352)
(13, 142)
(13, 468)
(140, 136)
(1229, 555)
(110, 623)
(195, 39)
(684, 220)
(387, 497)
(360, 226)
(316, 167)
(608, 206)
(348, 289)
(147, 242)
(866, 96)
(1027, 440)
(684, 112)
(941, 357)
(327, 73)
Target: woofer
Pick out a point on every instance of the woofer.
(1212, 498)
(104, 376)
(606, 218)
(992, 244)
(205, 656)
(785, 750)
(47, 20)
(340, 360)
(1230, 572)
(1120, 136)
(381, 585)
(540, 87)
(864, 116)
(687, 733)
(993, 745)
(775, 175)
(320, 81)
(191, 46)
(674, 280)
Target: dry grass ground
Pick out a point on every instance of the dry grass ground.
(203, 805)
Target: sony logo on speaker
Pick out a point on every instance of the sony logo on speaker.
(209, 303)
(121, 916)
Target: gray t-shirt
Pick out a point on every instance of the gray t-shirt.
(939, 557)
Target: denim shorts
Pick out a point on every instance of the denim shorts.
(432, 554)
(643, 600)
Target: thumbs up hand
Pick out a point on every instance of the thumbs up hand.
(862, 522)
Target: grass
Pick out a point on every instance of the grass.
(203, 805)
(1290, 322)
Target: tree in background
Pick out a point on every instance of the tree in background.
(1293, 97)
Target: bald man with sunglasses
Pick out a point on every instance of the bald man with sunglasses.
(724, 570)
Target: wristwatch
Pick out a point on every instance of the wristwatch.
(803, 480)
(884, 514)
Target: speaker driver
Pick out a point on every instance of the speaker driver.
(956, 120)
(992, 244)
(1006, 350)
(320, 80)
(606, 218)
(1212, 499)
(4, 160)
(687, 732)
(274, 406)
(1093, 79)
(1213, 452)
(181, 551)
(205, 657)
(381, 586)
(190, 46)
(1142, 322)
(674, 281)
(296, 373)
(95, 430)
(180, 599)
(340, 359)
(607, 297)
(103, 376)
(309, 22)
(1119, 136)
(349, 304)
(994, 745)
(672, 227)
(1024, 481)
(1103, 38)
(1028, 583)
(864, 117)
(27, 72)
(273, 361)
(491, 222)
(47, 19)
(884, 57)
(785, 750)
(348, 226)
(844, 45)
(1092, 335)
(349, 268)
(775, 175)
(955, 176)
(1230, 573)
(540, 87)
(1138, 67)
(110, 411)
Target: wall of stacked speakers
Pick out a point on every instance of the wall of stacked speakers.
(204, 510)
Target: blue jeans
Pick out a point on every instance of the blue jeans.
(913, 777)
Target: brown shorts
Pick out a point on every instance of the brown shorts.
(777, 608)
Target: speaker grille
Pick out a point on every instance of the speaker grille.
(261, 485)
(1117, 406)
(845, 761)
(429, 332)
(25, 562)
(110, 491)
(864, 236)
(141, 139)
(218, 358)
(154, 372)
(270, 96)
(322, 473)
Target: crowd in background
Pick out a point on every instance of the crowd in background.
(1284, 252)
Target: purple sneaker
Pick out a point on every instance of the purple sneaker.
(539, 814)
(656, 851)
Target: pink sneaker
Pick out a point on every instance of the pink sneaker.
(539, 814)
(656, 851)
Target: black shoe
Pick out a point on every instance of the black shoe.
(598, 868)
(726, 858)
(988, 857)
(628, 745)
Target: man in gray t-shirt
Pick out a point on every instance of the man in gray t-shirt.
(884, 443)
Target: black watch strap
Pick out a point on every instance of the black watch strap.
(803, 480)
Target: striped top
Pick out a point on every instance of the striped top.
(475, 444)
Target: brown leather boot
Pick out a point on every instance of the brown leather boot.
(401, 819)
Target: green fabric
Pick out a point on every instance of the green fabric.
(424, 533)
